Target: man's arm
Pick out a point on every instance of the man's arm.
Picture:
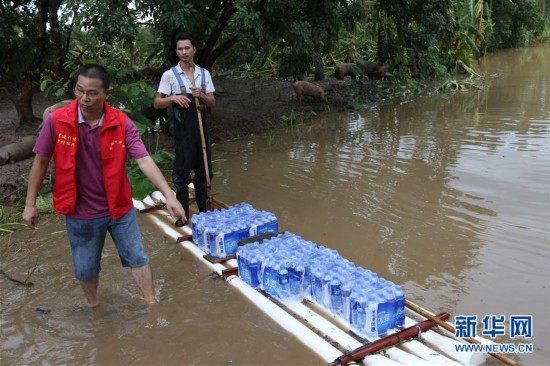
(36, 177)
(153, 173)
(208, 99)
(163, 101)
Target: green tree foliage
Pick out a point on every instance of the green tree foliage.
(428, 39)
(304, 31)
(205, 20)
(414, 36)
(474, 30)
(421, 38)
(518, 22)
(300, 31)
(24, 41)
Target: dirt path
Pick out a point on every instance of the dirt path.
(243, 107)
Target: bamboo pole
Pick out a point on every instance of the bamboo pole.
(210, 200)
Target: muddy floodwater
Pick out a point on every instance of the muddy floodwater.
(448, 195)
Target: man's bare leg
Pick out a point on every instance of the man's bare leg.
(144, 279)
(90, 291)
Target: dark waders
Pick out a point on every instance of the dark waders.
(189, 155)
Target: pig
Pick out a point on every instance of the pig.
(372, 69)
(50, 109)
(306, 88)
(347, 69)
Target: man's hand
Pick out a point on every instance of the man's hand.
(30, 216)
(196, 92)
(175, 208)
(152, 172)
(36, 177)
(181, 100)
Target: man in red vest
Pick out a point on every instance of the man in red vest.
(89, 141)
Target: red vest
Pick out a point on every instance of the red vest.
(113, 159)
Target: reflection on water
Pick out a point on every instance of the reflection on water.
(448, 195)
(200, 320)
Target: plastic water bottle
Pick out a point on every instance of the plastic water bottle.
(194, 221)
(336, 300)
(269, 224)
(297, 280)
(317, 284)
(399, 307)
(325, 289)
(283, 285)
(288, 266)
(243, 265)
(254, 222)
(263, 267)
(374, 277)
(241, 232)
(309, 279)
(254, 269)
(216, 240)
(358, 314)
(223, 240)
(381, 322)
(210, 233)
(390, 300)
(306, 279)
(242, 207)
(371, 321)
(346, 302)
(271, 278)
(199, 226)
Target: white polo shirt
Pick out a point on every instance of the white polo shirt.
(169, 84)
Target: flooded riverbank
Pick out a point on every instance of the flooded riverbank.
(446, 194)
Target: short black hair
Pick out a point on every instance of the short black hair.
(184, 36)
(95, 71)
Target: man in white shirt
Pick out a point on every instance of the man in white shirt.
(178, 89)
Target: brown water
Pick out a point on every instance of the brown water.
(447, 195)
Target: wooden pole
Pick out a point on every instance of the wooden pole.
(210, 200)
(443, 324)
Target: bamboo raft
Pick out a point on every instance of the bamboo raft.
(427, 339)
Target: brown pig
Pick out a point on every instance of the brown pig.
(347, 69)
(372, 69)
(52, 108)
(306, 88)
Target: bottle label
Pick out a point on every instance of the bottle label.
(270, 282)
(254, 275)
(219, 246)
(371, 329)
(383, 319)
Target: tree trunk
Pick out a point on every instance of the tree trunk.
(319, 74)
(207, 49)
(22, 103)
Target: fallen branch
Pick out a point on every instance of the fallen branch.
(17, 151)
(22, 283)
